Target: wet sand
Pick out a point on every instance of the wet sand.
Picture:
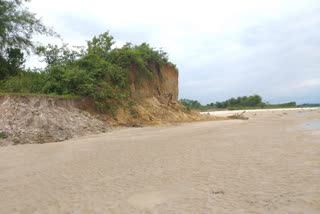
(268, 164)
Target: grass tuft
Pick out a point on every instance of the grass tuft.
(3, 135)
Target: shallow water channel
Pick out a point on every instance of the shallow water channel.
(311, 125)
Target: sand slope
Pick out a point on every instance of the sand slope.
(268, 164)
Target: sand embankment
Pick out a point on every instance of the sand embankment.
(267, 164)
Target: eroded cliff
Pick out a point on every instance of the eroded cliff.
(40, 119)
(163, 86)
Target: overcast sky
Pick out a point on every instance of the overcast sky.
(222, 48)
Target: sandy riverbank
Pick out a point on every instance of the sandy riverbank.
(268, 164)
(232, 112)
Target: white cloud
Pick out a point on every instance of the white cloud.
(308, 83)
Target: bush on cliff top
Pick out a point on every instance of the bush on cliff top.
(98, 71)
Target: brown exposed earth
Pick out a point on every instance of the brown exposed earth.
(267, 164)
(163, 86)
(42, 119)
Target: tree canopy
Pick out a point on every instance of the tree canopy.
(245, 102)
(17, 28)
(18, 25)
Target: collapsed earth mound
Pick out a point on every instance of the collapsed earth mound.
(39, 119)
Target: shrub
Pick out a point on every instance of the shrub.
(24, 82)
(3, 135)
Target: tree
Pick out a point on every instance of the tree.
(12, 63)
(101, 45)
(17, 27)
(190, 103)
(254, 100)
(232, 102)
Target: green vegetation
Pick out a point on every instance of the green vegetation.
(3, 135)
(17, 27)
(98, 71)
(16, 141)
(70, 96)
(284, 105)
(234, 103)
(246, 102)
(192, 104)
(310, 105)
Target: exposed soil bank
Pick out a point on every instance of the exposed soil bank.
(42, 119)
(267, 164)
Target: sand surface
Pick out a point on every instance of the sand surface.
(232, 112)
(268, 164)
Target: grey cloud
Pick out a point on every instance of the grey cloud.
(275, 54)
(71, 24)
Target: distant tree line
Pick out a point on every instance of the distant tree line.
(245, 102)
(250, 101)
(194, 104)
(310, 105)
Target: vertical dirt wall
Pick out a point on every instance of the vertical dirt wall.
(163, 86)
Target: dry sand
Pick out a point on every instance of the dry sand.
(232, 112)
(268, 164)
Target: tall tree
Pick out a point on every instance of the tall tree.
(17, 27)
